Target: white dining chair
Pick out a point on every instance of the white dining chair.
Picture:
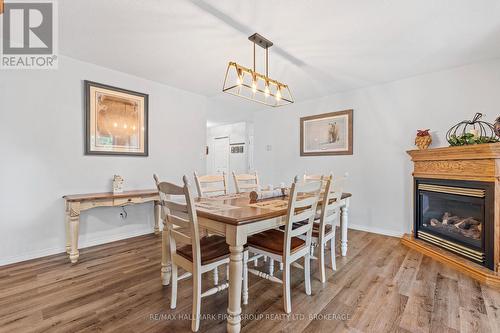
(324, 225)
(196, 256)
(312, 177)
(286, 247)
(317, 178)
(209, 185)
(163, 214)
(246, 182)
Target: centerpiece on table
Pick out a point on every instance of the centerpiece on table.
(470, 132)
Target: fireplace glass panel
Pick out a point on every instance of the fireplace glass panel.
(456, 217)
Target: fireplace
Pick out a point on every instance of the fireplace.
(456, 215)
(457, 208)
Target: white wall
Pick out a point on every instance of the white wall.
(385, 121)
(42, 159)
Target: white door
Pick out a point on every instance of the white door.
(221, 155)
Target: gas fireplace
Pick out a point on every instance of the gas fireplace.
(456, 215)
(457, 208)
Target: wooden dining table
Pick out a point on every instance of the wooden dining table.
(236, 217)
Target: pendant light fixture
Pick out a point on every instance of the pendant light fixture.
(248, 83)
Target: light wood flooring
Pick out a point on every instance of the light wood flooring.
(381, 286)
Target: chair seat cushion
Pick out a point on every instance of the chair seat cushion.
(315, 232)
(273, 241)
(212, 248)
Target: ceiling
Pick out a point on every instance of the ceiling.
(321, 47)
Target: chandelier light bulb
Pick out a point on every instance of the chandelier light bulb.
(239, 78)
(254, 86)
(278, 94)
(266, 90)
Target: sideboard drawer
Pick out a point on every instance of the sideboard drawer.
(127, 201)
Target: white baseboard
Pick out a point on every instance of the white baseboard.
(124, 235)
(82, 244)
(376, 230)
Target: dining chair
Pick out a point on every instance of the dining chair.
(286, 247)
(323, 231)
(312, 177)
(316, 178)
(205, 184)
(196, 256)
(246, 182)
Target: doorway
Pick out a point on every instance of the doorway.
(221, 155)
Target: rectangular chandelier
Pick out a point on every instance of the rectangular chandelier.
(249, 84)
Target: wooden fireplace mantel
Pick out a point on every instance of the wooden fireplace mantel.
(473, 163)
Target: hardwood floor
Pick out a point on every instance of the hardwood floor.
(381, 286)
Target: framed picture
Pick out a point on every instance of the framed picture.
(326, 134)
(116, 121)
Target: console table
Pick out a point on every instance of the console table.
(75, 204)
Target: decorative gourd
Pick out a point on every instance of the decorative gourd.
(470, 132)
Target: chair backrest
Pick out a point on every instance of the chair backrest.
(302, 203)
(308, 178)
(181, 217)
(316, 178)
(207, 185)
(332, 195)
(246, 182)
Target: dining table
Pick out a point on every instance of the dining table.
(236, 216)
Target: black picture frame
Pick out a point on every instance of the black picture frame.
(88, 149)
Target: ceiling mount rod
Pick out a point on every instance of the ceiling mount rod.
(254, 56)
(265, 44)
(267, 62)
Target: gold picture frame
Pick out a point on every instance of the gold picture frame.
(116, 121)
(327, 134)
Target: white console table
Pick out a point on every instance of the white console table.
(77, 203)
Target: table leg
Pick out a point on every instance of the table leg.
(236, 238)
(157, 215)
(166, 267)
(344, 220)
(74, 221)
(66, 226)
(235, 284)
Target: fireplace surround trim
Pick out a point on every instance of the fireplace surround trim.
(475, 163)
(462, 188)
